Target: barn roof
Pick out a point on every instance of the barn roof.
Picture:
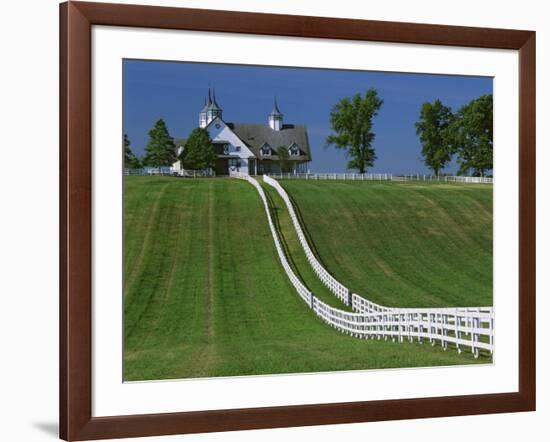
(256, 135)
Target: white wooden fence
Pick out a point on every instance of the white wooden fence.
(302, 290)
(463, 327)
(380, 177)
(340, 290)
(470, 179)
(443, 179)
(149, 171)
(333, 176)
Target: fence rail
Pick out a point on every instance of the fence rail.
(380, 177)
(339, 289)
(302, 290)
(147, 171)
(332, 176)
(169, 171)
(471, 326)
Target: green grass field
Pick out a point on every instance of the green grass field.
(402, 244)
(205, 294)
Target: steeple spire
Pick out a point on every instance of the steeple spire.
(214, 102)
(276, 117)
(214, 105)
(209, 97)
(275, 110)
(211, 109)
(203, 114)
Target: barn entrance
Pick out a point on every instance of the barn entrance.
(222, 166)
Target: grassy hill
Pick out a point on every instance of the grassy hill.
(205, 294)
(402, 244)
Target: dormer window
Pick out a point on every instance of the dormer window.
(265, 150)
(294, 150)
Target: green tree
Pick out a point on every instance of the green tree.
(199, 153)
(351, 121)
(284, 162)
(471, 135)
(160, 150)
(130, 160)
(432, 128)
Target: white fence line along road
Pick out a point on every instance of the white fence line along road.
(380, 177)
(471, 327)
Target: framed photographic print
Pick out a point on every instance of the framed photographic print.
(272, 220)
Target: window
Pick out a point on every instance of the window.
(294, 150)
(237, 148)
(265, 150)
(226, 149)
(234, 163)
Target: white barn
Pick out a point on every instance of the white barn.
(252, 148)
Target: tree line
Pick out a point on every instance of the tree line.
(467, 133)
(161, 151)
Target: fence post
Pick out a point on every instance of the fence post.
(444, 332)
(401, 326)
(420, 327)
(457, 332)
(430, 328)
(475, 336)
(491, 328)
(409, 327)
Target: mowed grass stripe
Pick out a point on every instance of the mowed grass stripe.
(211, 298)
(146, 213)
(161, 304)
(403, 245)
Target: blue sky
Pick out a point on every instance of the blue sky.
(175, 91)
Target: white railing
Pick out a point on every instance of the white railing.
(148, 171)
(380, 177)
(333, 176)
(302, 290)
(326, 278)
(460, 326)
(444, 179)
(470, 179)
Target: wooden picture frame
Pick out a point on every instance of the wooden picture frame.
(76, 421)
